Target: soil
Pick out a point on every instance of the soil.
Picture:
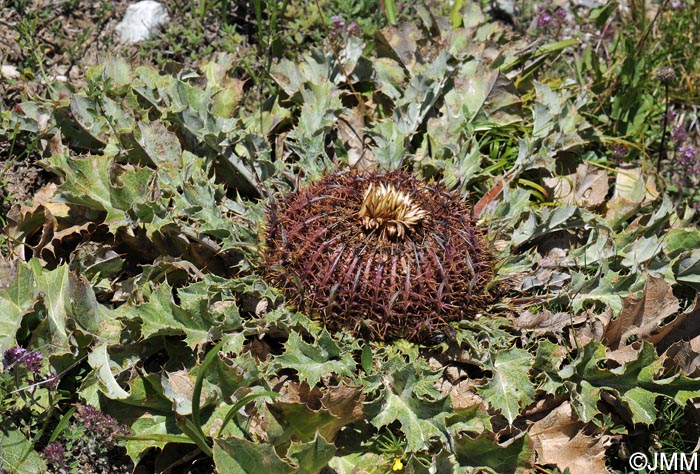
(56, 41)
(49, 41)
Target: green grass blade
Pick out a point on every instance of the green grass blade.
(63, 422)
(197, 392)
(240, 404)
(194, 432)
(390, 11)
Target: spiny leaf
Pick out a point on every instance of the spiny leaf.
(238, 456)
(635, 383)
(313, 361)
(161, 316)
(94, 182)
(484, 451)
(510, 389)
(313, 456)
(15, 301)
(403, 399)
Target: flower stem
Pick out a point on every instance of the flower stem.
(662, 148)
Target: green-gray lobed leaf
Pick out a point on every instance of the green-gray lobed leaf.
(313, 456)
(607, 287)
(484, 451)
(99, 360)
(402, 398)
(680, 240)
(93, 182)
(161, 316)
(313, 361)
(687, 268)
(18, 454)
(53, 285)
(15, 301)
(547, 363)
(635, 383)
(238, 456)
(160, 145)
(510, 388)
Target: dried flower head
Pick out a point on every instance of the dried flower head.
(383, 255)
(666, 75)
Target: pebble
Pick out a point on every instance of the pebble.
(9, 72)
(141, 21)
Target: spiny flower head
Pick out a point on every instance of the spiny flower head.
(383, 255)
(389, 210)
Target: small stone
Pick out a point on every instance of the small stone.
(9, 72)
(142, 19)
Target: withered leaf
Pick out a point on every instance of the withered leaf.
(559, 439)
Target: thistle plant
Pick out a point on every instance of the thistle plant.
(381, 254)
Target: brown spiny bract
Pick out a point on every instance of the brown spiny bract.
(381, 254)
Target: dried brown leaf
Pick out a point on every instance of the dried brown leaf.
(683, 356)
(593, 327)
(543, 322)
(632, 191)
(559, 439)
(642, 317)
(351, 132)
(587, 187)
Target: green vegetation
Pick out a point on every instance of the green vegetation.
(137, 328)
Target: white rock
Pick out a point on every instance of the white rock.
(9, 72)
(141, 20)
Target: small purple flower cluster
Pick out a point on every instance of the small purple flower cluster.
(619, 151)
(19, 356)
(688, 159)
(679, 135)
(340, 28)
(55, 454)
(548, 19)
(685, 160)
(100, 425)
(686, 155)
(90, 443)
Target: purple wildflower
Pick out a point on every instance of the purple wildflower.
(55, 453)
(619, 150)
(19, 356)
(560, 14)
(544, 20)
(32, 361)
(354, 29)
(678, 135)
(51, 382)
(100, 425)
(678, 5)
(338, 25)
(687, 158)
(12, 355)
